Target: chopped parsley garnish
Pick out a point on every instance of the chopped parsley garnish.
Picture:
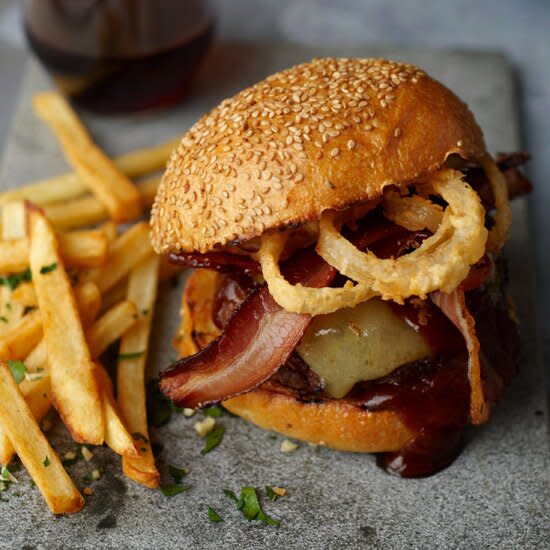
(173, 490)
(46, 461)
(213, 439)
(176, 488)
(6, 477)
(159, 408)
(213, 516)
(249, 505)
(48, 268)
(144, 311)
(18, 370)
(15, 279)
(132, 355)
(271, 494)
(4, 319)
(8, 306)
(214, 411)
(94, 475)
(177, 473)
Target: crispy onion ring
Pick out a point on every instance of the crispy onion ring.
(440, 263)
(298, 298)
(498, 234)
(413, 213)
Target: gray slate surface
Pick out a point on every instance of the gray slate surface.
(494, 495)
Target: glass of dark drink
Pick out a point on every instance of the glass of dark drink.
(120, 56)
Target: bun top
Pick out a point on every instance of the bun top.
(317, 136)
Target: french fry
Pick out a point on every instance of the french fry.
(124, 254)
(80, 212)
(82, 249)
(88, 302)
(17, 342)
(111, 326)
(33, 449)
(38, 357)
(14, 220)
(116, 434)
(148, 189)
(48, 190)
(79, 249)
(70, 186)
(88, 210)
(142, 290)
(110, 230)
(14, 255)
(115, 294)
(104, 179)
(74, 388)
(111, 187)
(149, 159)
(99, 336)
(10, 311)
(24, 295)
(38, 398)
(13, 227)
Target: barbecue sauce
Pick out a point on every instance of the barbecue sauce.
(432, 398)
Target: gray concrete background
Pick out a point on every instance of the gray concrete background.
(495, 494)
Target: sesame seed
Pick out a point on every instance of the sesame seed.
(268, 126)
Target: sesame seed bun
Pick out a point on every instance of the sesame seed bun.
(317, 136)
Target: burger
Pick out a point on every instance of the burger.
(345, 222)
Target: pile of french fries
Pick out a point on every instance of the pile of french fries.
(73, 285)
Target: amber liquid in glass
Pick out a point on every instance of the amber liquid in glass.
(117, 56)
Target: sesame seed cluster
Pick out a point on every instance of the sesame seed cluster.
(234, 172)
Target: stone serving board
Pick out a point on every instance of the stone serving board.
(494, 495)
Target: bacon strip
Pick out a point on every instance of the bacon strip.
(482, 392)
(508, 163)
(255, 343)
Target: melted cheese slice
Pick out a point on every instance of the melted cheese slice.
(361, 343)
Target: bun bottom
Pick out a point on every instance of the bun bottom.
(333, 423)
